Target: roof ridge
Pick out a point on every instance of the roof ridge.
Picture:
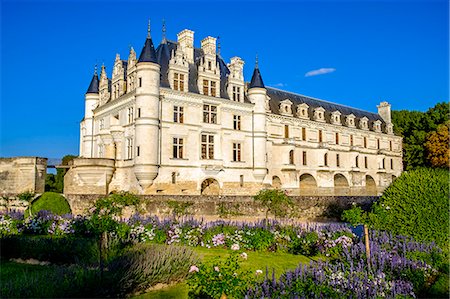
(317, 99)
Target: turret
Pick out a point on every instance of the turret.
(257, 94)
(87, 128)
(147, 115)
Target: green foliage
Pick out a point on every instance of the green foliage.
(51, 201)
(213, 280)
(45, 248)
(307, 245)
(50, 183)
(416, 204)
(226, 209)
(179, 209)
(26, 196)
(355, 216)
(275, 202)
(145, 265)
(414, 127)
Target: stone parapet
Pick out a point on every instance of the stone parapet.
(22, 174)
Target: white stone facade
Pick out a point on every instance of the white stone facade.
(188, 124)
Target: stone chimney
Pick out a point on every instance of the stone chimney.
(384, 110)
(186, 42)
(209, 45)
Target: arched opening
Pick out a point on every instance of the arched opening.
(210, 187)
(371, 186)
(308, 184)
(291, 157)
(341, 186)
(276, 182)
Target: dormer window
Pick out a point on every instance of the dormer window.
(319, 114)
(209, 88)
(336, 118)
(302, 111)
(350, 120)
(286, 107)
(389, 129)
(236, 93)
(363, 123)
(178, 81)
(377, 126)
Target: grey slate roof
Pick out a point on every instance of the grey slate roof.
(148, 52)
(257, 80)
(93, 87)
(276, 96)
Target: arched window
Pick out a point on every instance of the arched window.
(291, 157)
(325, 159)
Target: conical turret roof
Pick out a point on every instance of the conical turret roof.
(93, 87)
(148, 53)
(257, 80)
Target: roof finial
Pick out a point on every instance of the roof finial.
(256, 61)
(148, 29)
(218, 45)
(95, 70)
(164, 30)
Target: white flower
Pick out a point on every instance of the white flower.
(235, 247)
(193, 269)
(244, 255)
(258, 272)
(216, 269)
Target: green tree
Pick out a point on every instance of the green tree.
(60, 172)
(437, 146)
(275, 202)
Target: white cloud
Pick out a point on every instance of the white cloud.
(279, 85)
(320, 71)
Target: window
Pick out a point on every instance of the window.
(286, 131)
(178, 81)
(242, 180)
(129, 148)
(357, 161)
(209, 65)
(303, 133)
(138, 151)
(378, 143)
(236, 93)
(291, 157)
(390, 145)
(140, 82)
(338, 162)
(351, 140)
(383, 166)
(102, 124)
(320, 135)
(178, 114)
(365, 162)
(139, 112)
(337, 138)
(209, 88)
(209, 114)
(365, 142)
(130, 117)
(304, 158)
(178, 148)
(392, 163)
(325, 159)
(207, 146)
(236, 122)
(236, 152)
(100, 151)
(174, 177)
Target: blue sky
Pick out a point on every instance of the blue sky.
(355, 53)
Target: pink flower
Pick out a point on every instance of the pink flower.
(235, 247)
(244, 255)
(193, 269)
(216, 269)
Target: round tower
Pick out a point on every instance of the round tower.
(257, 94)
(147, 115)
(87, 126)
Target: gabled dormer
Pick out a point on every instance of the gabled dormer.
(208, 69)
(390, 128)
(178, 70)
(118, 78)
(302, 111)
(235, 87)
(131, 70)
(336, 118)
(350, 120)
(319, 114)
(105, 95)
(377, 126)
(364, 123)
(286, 107)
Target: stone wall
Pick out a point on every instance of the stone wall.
(231, 207)
(22, 174)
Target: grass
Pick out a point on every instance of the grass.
(276, 261)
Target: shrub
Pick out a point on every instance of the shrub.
(51, 201)
(145, 265)
(275, 202)
(416, 204)
(307, 244)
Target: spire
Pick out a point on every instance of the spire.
(93, 87)
(148, 53)
(257, 80)
(163, 32)
(218, 45)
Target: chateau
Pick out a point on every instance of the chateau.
(180, 120)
